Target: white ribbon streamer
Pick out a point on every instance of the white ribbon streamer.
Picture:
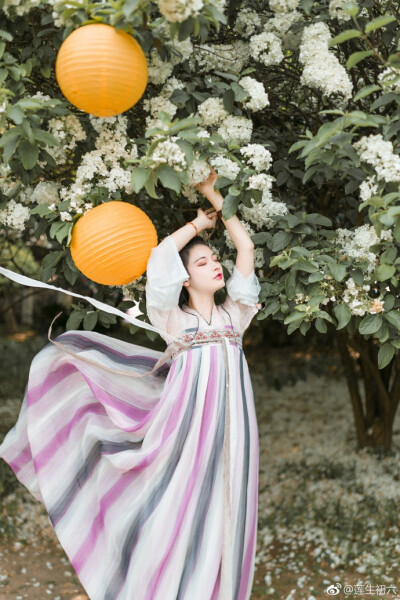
(100, 305)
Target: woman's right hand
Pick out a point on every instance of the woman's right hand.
(206, 219)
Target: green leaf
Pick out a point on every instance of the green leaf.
(349, 34)
(366, 91)
(74, 320)
(357, 57)
(10, 148)
(16, 114)
(294, 316)
(150, 185)
(320, 325)
(169, 178)
(90, 320)
(385, 272)
(51, 259)
(393, 316)
(11, 134)
(338, 271)
(129, 6)
(45, 137)
(229, 206)
(29, 154)
(41, 210)
(280, 240)
(379, 22)
(139, 177)
(351, 8)
(385, 355)
(63, 231)
(370, 324)
(343, 314)
(228, 99)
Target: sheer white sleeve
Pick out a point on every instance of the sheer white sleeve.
(242, 297)
(165, 275)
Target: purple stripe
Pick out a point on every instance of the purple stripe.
(21, 460)
(209, 404)
(247, 564)
(125, 480)
(35, 393)
(123, 406)
(90, 343)
(62, 435)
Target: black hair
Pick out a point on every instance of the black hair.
(184, 294)
(184, 254)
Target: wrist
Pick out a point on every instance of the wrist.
(198, 224)
(216, 199)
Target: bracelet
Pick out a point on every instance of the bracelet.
(191, 223)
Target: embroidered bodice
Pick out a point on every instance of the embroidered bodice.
(165, 275)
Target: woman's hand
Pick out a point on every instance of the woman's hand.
(207, 186)
(206, 219)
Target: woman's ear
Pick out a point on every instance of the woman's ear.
(186, 283)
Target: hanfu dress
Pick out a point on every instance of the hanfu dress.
(150, 482)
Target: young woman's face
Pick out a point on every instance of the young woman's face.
(204, 269)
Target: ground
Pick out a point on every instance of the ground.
(328, 513)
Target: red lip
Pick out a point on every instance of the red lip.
(219, 276)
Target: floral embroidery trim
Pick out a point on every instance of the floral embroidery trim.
(209, 336)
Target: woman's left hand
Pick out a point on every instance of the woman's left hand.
(207, 186)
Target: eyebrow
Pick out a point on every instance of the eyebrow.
(213, 254)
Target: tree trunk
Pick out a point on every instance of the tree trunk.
(373, 420)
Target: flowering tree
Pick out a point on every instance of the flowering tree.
(294, 103)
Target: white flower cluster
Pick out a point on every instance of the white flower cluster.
(21, 7)
(261, 181)
(336, 10)
(220, 56)
(257, 156)
(179, 10)
(260, 213)
(374, 150)
(60, 17)
(283, 6)
(68, 130)
(212, 111)
(105, 165)
(46, 192)
(322, 69)
(390, 79)
(247, 21)
(266, 47)
(169, 153)
(15, 215)
(280, 24)
(159, 69)
(225, 167)
(155, 105)
(368, 188)
(197, 172)
(358, 301)
(258, 98)
(355, 244)
(228, 264)
(238, 128)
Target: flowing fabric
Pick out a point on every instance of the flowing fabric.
(150, 482)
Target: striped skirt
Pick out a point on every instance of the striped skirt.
(130, 470)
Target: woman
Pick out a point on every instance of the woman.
(151, 483)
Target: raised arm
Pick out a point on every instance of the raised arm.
(243, 242)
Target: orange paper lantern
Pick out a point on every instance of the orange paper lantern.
(111, 243)
(100, 70)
